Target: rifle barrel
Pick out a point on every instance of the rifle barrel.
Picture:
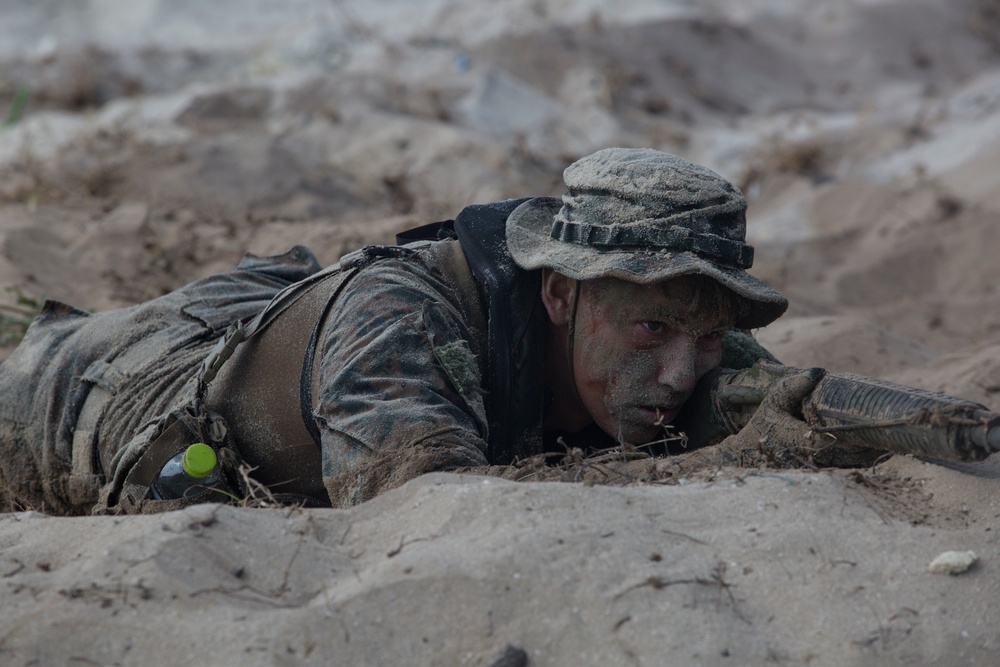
(875, 413)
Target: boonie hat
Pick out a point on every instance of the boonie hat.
(644, 216)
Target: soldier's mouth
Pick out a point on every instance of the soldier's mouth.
(659, 414)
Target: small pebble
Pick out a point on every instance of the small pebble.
(952, 562)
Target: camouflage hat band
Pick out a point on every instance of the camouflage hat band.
(645, 234)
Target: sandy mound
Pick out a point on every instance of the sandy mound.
(452, 570)
(149, 143)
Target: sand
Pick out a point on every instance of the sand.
(160, 141)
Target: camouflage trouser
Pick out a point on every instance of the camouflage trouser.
(80, 385)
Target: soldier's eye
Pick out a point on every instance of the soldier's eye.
(654, 327)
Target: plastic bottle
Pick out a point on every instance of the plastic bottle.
(190, 473)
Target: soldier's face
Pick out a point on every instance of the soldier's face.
(640, 350)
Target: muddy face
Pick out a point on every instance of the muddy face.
(639, 350)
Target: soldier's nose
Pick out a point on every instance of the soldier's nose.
(677, 368)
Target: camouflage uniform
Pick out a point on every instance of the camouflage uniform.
(400, 387)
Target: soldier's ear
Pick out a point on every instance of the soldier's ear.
(558, 292)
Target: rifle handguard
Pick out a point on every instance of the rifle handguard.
(884, 415)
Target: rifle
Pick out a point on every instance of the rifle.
(856, 410)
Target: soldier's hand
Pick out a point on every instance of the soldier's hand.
(778, 434)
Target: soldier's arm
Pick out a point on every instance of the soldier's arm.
(400, 390)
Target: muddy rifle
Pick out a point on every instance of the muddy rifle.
(855, 410)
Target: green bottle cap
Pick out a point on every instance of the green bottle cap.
(199, 460)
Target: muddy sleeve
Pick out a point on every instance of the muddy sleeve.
(400, 389)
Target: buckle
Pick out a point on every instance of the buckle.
(224, 349)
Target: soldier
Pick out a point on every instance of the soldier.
(521, 327)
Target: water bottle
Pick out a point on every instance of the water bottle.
(190, 473)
